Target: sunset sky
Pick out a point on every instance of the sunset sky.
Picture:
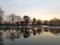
(40, 9)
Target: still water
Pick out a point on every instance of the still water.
(30, 36)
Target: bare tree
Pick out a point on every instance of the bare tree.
(18, 19)
(12, 18)
(1, 14)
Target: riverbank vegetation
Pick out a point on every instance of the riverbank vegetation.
(16, 20)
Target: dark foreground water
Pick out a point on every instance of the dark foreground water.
(30, 36)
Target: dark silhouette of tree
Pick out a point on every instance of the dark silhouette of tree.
(22, 23)
(54, 22)
(34, 22)
(1, 14)
(45, 22)
(39, 22)
(26, 19)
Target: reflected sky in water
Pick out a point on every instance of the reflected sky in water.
(30, 36)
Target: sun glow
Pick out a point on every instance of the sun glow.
(45, 17)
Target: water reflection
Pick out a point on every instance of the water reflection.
(1, 39)
(16, 33)
(13, 34)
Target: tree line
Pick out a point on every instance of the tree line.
(14, 19)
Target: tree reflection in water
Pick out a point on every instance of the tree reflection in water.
(13, 34)
(26, 33)
(55, 30)
(46, 29)
(1, 38)
(39, 30)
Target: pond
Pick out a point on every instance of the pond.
(30, 36)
